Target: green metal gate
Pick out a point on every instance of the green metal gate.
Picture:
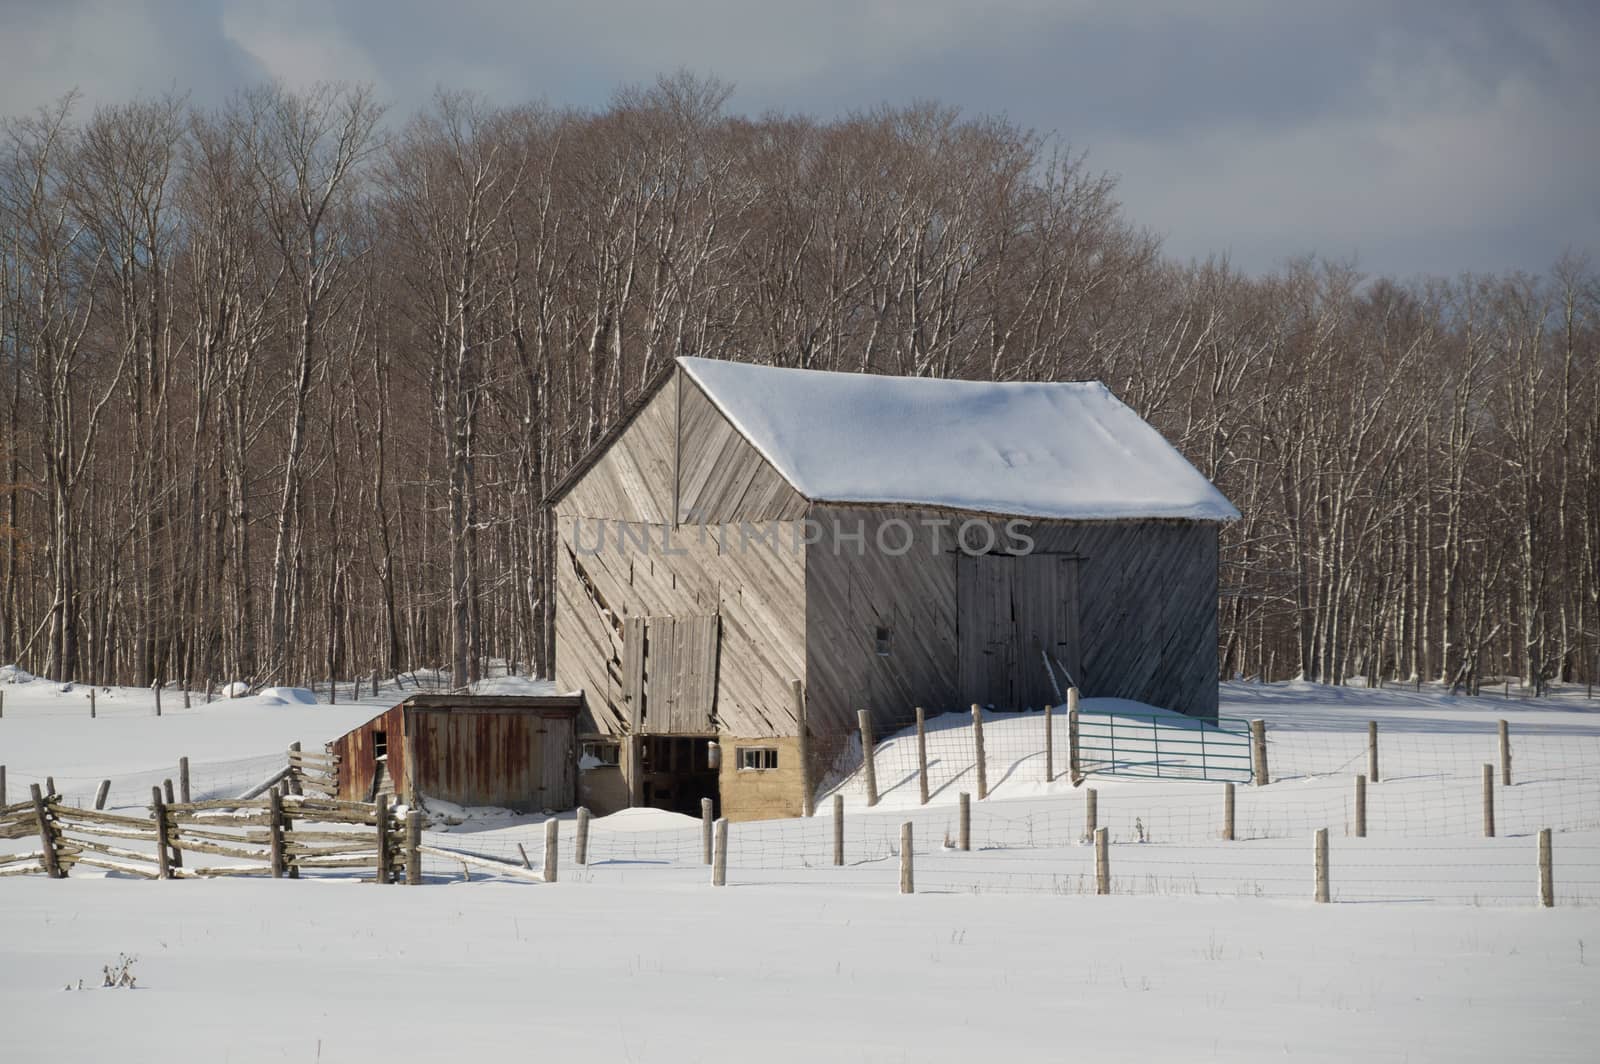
(1164, 746)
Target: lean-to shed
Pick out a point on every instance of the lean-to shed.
(890, 543)
(512, 751)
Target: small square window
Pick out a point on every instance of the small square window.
(602, 753)
(883, 638)
(757, 758)
(380, 745)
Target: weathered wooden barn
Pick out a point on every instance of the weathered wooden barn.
(515, 752)
(889, 543)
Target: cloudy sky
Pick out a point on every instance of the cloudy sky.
(1428, 137)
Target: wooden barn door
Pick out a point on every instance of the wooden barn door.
(669, 667)
(1013, 611)
(1045, 605)
(984, 628)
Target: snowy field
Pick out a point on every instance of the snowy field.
(1207, 950)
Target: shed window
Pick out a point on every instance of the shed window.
(596, 754)
(757, 758)
(882, 638)
(380, 744)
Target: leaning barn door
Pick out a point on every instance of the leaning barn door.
(670, 674)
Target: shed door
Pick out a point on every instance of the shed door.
(670, 673)
(1013, 611)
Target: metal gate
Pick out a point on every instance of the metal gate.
(1164, 746)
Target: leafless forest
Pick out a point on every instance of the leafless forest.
(285, 383)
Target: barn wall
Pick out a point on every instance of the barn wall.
(618, 556)
(757, 589)
(1147, 621)
(632, 479)
(356, 763)
(602, 790)
(722, 478)
(760, 794)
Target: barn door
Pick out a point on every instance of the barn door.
(1012, 608)
(1045, 607)
(669, 667)
(984, 627)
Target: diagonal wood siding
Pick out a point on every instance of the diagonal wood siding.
(721, 476)
(1146, 615)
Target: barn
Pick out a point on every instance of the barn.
(510, 751)
(888, 543)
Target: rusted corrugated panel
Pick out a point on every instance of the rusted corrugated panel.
(357, 763)
(495, 757)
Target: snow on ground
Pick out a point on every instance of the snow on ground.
(317, 971)
(1207, 950)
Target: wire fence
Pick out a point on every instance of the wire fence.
(1423, 839)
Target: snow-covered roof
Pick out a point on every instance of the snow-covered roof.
(1055, 450)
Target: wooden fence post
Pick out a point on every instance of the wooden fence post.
(1074, 760)
(91, 704)
(275, 831)
(291, 865)
(158, 810)
(166, 790)
(297, 768)
(1361, 807)
(413, 847)
(977, 740)
(964, 826)
(808, 800)
(838, 829)
(47, 837)
(719, 864)
(156, 687)
(907, 885)
(705, 830)
(1488, 801)
(1091, 812)
(99, 795)
(186, 703)
(3, 786)
(1102, 862)
(380, 812)
(869, 769)
(1505, 754)
(1320, 841)
(922, 758)
(211, 690)
(50, 787)
(1547, 890)
(1049, 746)
(2, 705)
(552, 849)
(374, 683)
(183, 779)
(1258, 752)
(1372, 751)
(1227, 812)
(580, 844)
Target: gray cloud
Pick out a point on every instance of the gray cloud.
(1429, 137)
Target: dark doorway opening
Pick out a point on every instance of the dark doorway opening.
(678, 773)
